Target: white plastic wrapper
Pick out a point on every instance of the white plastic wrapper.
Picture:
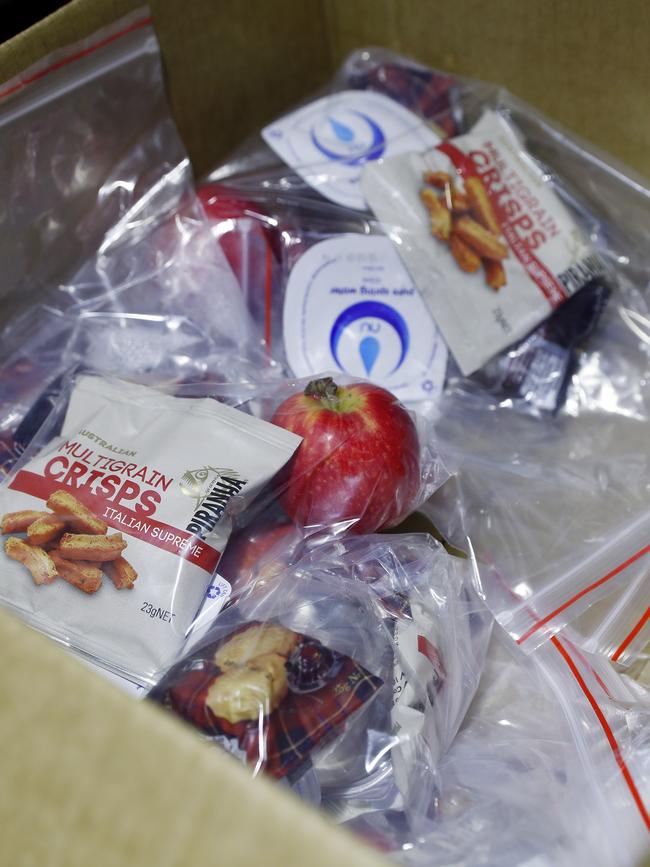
(350, 303)
(115, 519)
(328, 291)
(328, 141)
(546, 770)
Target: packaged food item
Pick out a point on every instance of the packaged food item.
(502, 246)
(134, 490)
(385, 628)
(301, 690)
(341, 132)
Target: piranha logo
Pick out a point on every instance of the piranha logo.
(211, 488)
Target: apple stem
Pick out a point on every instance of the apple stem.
(324, 389)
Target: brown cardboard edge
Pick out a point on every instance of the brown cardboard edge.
(72, 22)
(222, 62)
(92, 776)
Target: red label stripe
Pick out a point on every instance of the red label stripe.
(609, 734)
(533, 614)
(155, 533)
(551, 288)
(633, 634)
(583, 592)
(144, 22)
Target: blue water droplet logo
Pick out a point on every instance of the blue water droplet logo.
(369, 351)
(340, 130)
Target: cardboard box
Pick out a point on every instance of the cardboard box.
(232, 66)
(91, 777)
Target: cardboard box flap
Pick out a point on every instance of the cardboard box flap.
(92, 776)
(230, 68)
(233, 67)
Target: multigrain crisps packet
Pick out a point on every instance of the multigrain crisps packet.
(485, 237)
(114, 527)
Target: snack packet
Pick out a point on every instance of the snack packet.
(501, 247)
(302, 690)
(134, 494)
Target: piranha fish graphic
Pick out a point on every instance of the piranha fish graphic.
(198, 483)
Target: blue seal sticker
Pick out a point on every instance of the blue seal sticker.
(328, 141)
(350, 305)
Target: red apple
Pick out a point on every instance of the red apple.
(359, 461)
(258, 552)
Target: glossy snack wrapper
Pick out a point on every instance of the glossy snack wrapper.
(134, 491)
(391, 619)
(327, 290)
(318, 307)
(303, 690)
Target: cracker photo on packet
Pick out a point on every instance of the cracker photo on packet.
(484, 236)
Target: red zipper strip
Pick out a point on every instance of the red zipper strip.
(144, 22)
(587, 664)
(583, 592)
(633, 634)
(533, 615)
(609, 734)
